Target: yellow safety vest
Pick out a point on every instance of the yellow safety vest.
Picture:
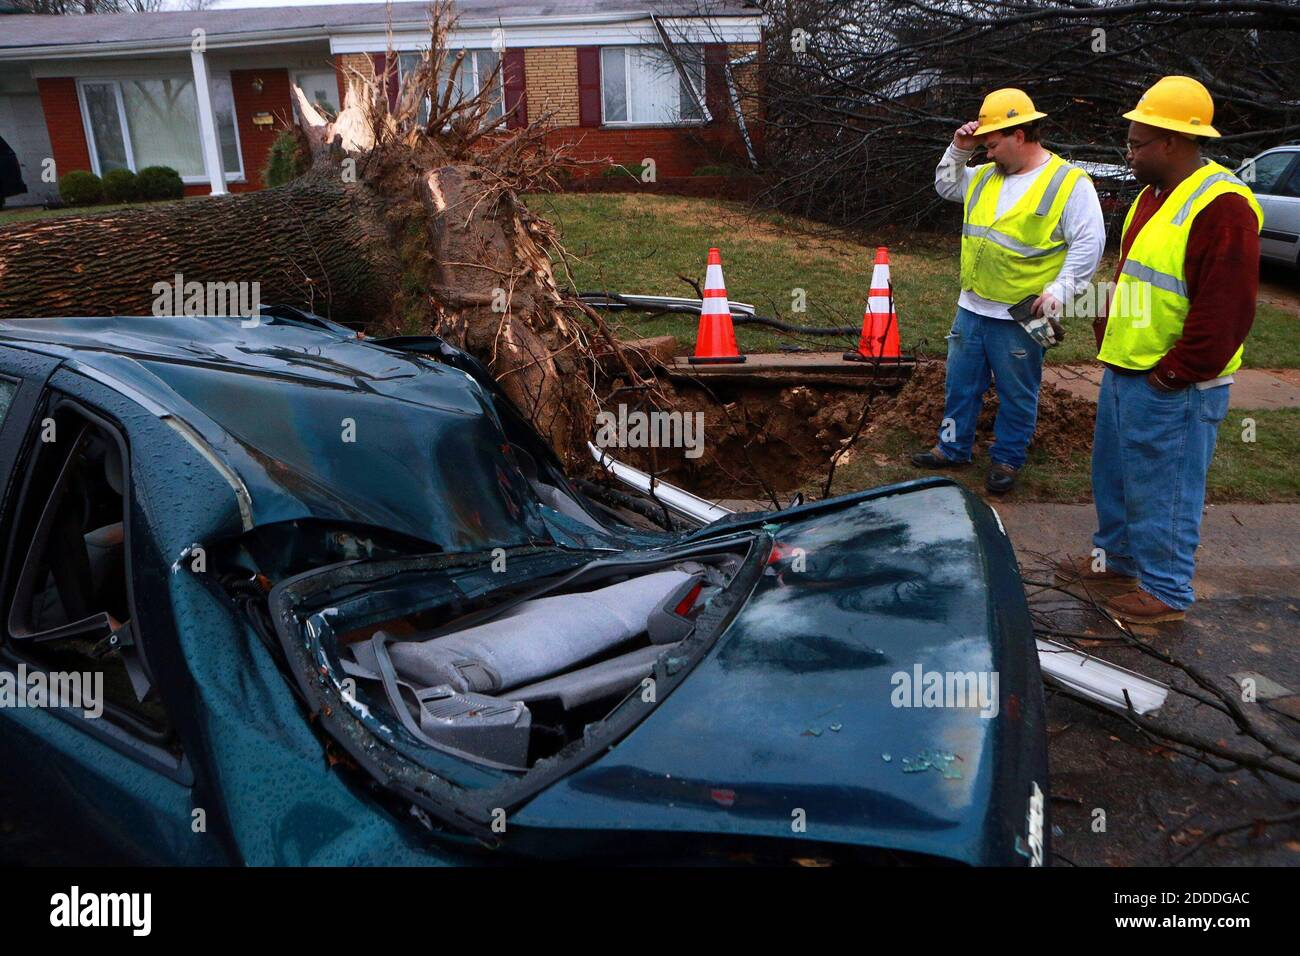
(1005, 258)
(1150, 302)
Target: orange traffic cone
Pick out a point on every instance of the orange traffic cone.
(879, 340)
(716, 340)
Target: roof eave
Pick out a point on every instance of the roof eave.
(181, 45)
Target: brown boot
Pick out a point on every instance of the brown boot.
(1138, 607)
(1078, 570)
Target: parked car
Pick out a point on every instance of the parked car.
(1274, 176)
(348, 609)
(11, 174)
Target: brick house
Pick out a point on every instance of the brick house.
(205, 91)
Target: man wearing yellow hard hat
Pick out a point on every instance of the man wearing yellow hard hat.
(1183, 304)
(1032, 236)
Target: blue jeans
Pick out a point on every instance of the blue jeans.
(1150, 455)
(980, 350)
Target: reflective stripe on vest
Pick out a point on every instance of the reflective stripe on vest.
(1006, 242)
(1054, 187)
(1006, 258)
(1151, 298)
(1161, 280)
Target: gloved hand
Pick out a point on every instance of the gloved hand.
(1037, 315)
(1044, 330)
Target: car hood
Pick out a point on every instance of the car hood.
(792, 720)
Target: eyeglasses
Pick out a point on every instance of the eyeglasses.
(1132, 147)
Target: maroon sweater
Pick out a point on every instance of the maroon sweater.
(1222, 267)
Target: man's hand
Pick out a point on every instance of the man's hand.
(965, 137)
(1155, 381)
(1046, 305)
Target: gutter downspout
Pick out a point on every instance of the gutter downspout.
(735, 104)
(671, 50)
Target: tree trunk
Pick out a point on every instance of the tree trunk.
(315, 243)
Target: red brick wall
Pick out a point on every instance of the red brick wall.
(677, 151)
(341, 75)
(63, 120)
(255, 141)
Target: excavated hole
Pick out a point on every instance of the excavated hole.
(785, 437)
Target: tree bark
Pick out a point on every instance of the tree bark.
(314, 243)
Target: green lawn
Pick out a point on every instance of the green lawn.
(1259, 470)
(9, 216)
(630, 243)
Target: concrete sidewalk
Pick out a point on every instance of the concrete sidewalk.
(1247, 550)
(1158, 803)
(1253, 388)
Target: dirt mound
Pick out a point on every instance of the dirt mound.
(1065, 421)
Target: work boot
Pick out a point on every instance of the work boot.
(1001, 478)
(1078, 570)
(1139, 607)
(935, 458)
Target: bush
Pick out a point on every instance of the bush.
(81, 188)
(120, 186)
(159, 182)
(286, 160)
(631, 169)
(720, 170)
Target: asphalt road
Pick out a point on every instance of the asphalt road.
(1119, 798)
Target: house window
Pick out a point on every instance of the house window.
(640, 84)
(321, 87)
(154, 122)
(476, 73)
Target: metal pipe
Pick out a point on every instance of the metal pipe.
(682, 502)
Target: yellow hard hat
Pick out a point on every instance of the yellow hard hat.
(1003, 108)
(1179, 103)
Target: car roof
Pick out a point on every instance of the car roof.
(314, 420)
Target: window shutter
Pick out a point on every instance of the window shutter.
(515, 85)
(715, 80)
(589, 85)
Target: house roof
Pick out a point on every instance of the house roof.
(141, 29)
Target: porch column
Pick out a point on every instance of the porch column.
(208, 124)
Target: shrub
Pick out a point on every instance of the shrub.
(287, 159)
(120, 186)
(722, 169)
(631, 169)
(159, 182)
(81, 188)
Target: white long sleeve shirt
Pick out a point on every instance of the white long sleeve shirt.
(1082, 227)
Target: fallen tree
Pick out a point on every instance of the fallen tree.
(409, 220)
